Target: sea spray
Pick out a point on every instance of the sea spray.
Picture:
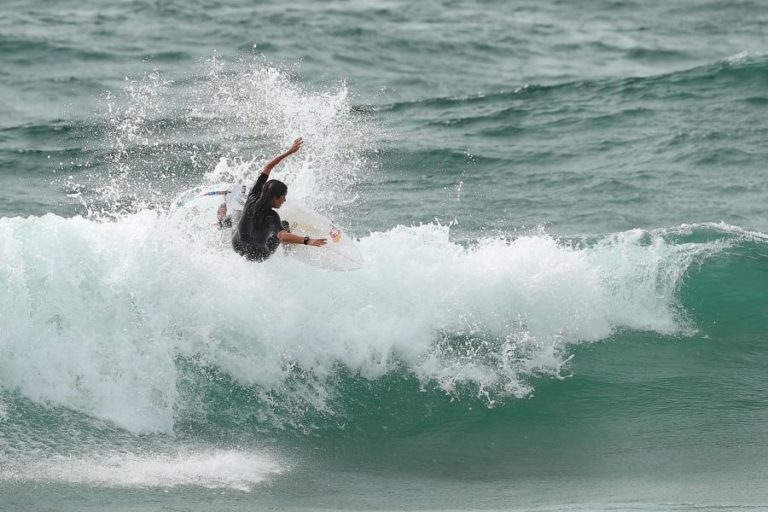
(162, 135)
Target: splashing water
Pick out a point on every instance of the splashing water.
(164, 135)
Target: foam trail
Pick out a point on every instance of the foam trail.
(232, 469)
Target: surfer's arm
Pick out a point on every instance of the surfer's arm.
(292, 238)
(272, 163)
(256, 189)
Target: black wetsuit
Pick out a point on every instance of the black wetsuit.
(252, 239)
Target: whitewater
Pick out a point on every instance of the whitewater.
(96, 313)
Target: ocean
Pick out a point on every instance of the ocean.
(561, 208)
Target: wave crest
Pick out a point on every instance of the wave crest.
(97, 315)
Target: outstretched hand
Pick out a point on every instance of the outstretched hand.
(295, 146)
(317, 242)
(272, 163)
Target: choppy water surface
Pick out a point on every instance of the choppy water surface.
(562, 214)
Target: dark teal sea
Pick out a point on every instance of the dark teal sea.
(561, 207)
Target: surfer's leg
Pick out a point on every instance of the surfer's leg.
(286, 225)
(221, 213)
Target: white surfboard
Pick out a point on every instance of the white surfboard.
(340, 251)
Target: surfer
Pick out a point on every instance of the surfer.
(259, 231)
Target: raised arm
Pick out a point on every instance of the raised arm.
(272, 163)
(262, 178)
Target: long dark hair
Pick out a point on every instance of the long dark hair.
(263, 205)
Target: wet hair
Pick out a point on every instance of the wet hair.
(263, 205)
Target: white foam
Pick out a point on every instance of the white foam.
(95, 314)
(231, 469)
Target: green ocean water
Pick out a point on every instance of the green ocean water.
(561, 208)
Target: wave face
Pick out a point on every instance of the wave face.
(142, 352)
(115, 320)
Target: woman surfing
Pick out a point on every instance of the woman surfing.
(260, 231)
